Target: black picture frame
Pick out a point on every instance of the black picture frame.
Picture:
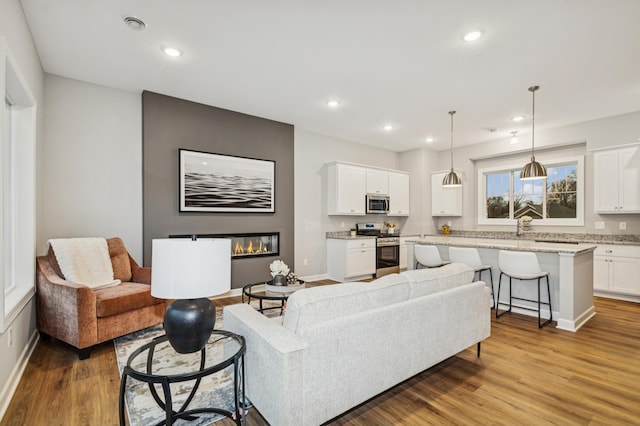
(220, 183)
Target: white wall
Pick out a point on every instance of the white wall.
(312, 153)
(92, 171)
(17, 34)
(421, 163)
(607, 132)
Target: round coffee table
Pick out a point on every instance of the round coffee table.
(258, 291)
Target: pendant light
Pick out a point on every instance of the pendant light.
(451, 179)
(533, 170)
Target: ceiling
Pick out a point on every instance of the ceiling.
(401, 62)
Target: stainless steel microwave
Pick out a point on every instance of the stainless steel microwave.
(377, 203)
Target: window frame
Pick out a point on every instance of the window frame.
(17, 190)
(580, 183)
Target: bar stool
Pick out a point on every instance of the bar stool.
(428, 256)
(522, 266)
(470, 257)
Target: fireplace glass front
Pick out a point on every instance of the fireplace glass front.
(247, 245)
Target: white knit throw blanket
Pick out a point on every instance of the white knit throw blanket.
(85, 261)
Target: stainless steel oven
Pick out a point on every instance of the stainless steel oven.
(387, 256)
(387, 248)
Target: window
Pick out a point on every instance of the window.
(17, 190)
(8, 202)
(558, 200)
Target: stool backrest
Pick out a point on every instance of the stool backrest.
(467, 255)
(519, 263)
(428, 255)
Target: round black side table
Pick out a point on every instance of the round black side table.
(223, 350)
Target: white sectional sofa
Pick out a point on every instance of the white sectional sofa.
(340, 345)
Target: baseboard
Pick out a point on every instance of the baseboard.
(14, 379)
(617, 296)
(311, 278)
(578, 322)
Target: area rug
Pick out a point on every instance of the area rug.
(215, 390)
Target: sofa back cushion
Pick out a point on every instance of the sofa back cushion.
(119, 260)
(431, 280)
(311, 305)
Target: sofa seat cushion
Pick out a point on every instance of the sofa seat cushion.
(125, 297)
(316, 304)
(432, 280)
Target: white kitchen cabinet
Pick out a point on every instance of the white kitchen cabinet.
(399, 194)
(351, 259)
(616, 270)
(377, 182)
(445, 201)
(616, 174)
(346, 189)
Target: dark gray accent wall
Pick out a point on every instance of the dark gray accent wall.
(170, 124)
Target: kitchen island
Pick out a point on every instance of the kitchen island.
(570, 268)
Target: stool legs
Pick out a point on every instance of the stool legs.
(540, 325)
(497, 302)
(493, 297)
(539, 301)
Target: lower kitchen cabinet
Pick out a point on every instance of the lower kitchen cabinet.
(351, 259)
(403, 250)
(616, 271)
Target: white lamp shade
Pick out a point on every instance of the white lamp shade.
(187, 269)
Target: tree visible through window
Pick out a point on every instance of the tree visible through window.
(508, 197)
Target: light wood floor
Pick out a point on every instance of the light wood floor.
(524, 376)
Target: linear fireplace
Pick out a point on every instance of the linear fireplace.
(248, 244)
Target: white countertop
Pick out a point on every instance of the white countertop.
(519, 245)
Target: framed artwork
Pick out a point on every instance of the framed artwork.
(225, 183)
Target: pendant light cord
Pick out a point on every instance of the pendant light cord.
(451, 114)
(533, 89)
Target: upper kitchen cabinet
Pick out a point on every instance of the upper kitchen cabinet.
(445, 201)
(377, 182)
(616, 174)
(398, 194)
(346, 189)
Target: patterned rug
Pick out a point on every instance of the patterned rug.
(215, 390)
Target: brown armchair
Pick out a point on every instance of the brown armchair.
(83, 317)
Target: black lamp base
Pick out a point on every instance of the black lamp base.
(189, 323)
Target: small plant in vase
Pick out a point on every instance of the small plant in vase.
(391, 227)
(279, 272)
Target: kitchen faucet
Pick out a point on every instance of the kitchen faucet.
(518, 227)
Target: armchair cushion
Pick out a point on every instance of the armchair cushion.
(119, 259)
(125, 297)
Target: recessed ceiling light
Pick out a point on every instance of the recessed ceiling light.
(429, 140)
(171, 51)
(388, 127)
(134, 23)
(517, 118)
(333, 103)
(473, 35)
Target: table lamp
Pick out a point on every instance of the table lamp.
(190, 271)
